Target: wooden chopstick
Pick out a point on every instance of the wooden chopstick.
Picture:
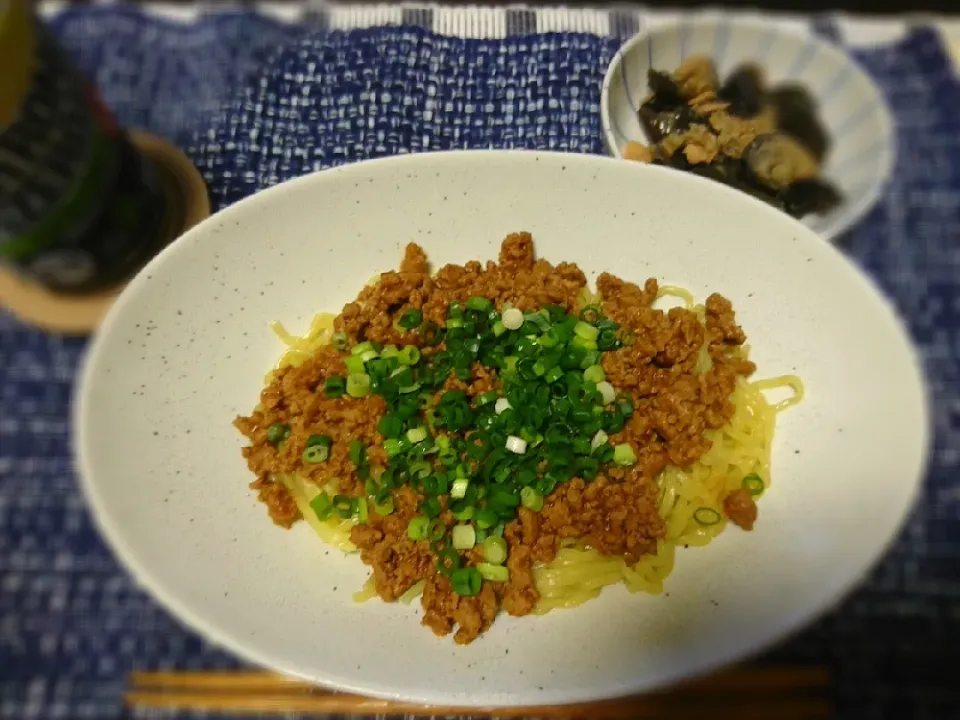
(783, 693)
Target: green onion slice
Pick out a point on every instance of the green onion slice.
(466, 581)
(495, 550)
(322, 505)
(464, 537)
(493, 573)
(754, 483)
(277, 433)
(417, 528)
(706, 516)
(344, 506)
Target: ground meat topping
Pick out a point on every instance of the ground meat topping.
(677, 372)
(741, 508)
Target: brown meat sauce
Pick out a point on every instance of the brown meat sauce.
(616, 513)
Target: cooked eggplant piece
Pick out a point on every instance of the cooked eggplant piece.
(744, 91)
(797, 116)
(807, 197)
(658, 125)
(778, 161)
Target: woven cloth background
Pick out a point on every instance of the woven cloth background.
(255, 101)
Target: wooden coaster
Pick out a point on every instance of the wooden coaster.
(187, 204)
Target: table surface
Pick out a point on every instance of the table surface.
(72, 624)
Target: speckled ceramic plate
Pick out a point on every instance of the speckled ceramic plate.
(186, 346)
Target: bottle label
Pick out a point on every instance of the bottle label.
(78, 206)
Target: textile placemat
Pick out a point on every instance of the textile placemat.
(228, 89)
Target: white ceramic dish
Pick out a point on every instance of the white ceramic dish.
(186, 347)
(851, 105)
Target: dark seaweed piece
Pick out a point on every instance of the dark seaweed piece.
(807, 197)
(744, 91)
(666, 92)
(666, 111)
(797, 116)
(658, 125)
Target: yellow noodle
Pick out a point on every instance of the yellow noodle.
(740, 448)
(678, 292)
(579, 573)
(367, 592)
(334, 531)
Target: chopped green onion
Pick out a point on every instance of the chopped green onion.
(411, 319)
(358, 385)
(436, 530)
(448, 562)
(500, 405)
(531, 499)
(464, 537)
(493, 573)
(753, 483)
(390, 426)
(344, 506)
(516, 445)
(361, 348)
(335, 386)
(430, 507)
(363, 514)
(599, 439)
(322, 505)
(431, 333)
(485, 518)
(463, 514)
(586, 332)
(316, 454)
(607, 393)
(459, 489)
(591, 314)
(512, 319)
(277, 433)
(607, 340)
(623, 455)
(479, 304)
(495, 550)
(340, 341)
(415, 435)
(594, 374)
(384, 508)
(409, 355)
(354, 364)
(417, 528)
(357, 452)
(486, 398)
(499, 328)
(369, 355)
(392, 447)
(466, 581)
(706, 516)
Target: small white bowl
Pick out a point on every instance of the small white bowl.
(851, 106)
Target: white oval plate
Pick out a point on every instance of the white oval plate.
(186, 347)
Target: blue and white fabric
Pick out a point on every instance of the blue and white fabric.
(256, 97)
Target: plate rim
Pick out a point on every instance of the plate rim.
(111, 531)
